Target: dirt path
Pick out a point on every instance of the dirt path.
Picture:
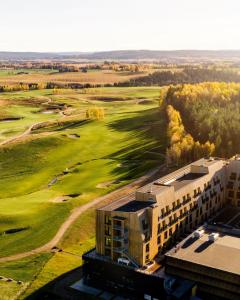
(121, 193)
(15, 138)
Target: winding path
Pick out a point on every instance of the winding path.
(122, 193)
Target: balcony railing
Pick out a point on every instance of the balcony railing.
(119, 249)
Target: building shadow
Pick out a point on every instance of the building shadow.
(59, 288)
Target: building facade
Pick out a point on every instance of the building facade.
(141, 227)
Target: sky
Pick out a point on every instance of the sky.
(101, 25)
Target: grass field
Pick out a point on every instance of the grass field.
(83, 161)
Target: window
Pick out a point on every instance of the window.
(108, 242)
(164, 224)
(174, 205)
(175, 217)
(144, 225)
(107, 252)
(147, 247)
(233, 176)
(159, 228)
(108, 220)
(230, 184)
(163, 212)
(170, 232)
(231, 194)
(107, 230)
(159, 240)
(238, 195)
(147, 257)
(190, 218)
(165, 235)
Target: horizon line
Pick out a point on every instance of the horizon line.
(116, 50)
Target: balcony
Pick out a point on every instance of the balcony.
(185, 201)
(116, 227)
(119, 249)
(118, 238)
(176, 207)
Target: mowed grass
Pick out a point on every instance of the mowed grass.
(24, 270)
(26, 108)
(111, 150)
(114, 150)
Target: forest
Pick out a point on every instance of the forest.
(210, 112)
(187, 75)
(182, 147)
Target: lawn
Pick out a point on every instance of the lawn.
(86, 160)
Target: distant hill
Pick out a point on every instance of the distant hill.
(160, 55)
(26, 55)
(178, 55)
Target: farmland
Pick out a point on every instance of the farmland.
(69, 162)
(11, 77)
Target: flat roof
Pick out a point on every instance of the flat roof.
(133, 206)
(185, 180)
(179, 178)
(176, 179)
(211, 254)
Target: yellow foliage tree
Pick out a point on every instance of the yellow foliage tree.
(182, 147)
(95, 113)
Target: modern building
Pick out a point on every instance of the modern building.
(134, 234)
(210, 259)
(145, 225)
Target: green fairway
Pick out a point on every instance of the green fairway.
(56, 168)
(105, 155)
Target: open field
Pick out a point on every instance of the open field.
(42, 76)
(47, 173)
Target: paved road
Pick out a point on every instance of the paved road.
(122, 193)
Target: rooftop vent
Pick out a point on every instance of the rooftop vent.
(213, 237)
(198, 233)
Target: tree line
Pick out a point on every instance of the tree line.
(187, 75)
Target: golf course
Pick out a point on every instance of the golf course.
(55, 157)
